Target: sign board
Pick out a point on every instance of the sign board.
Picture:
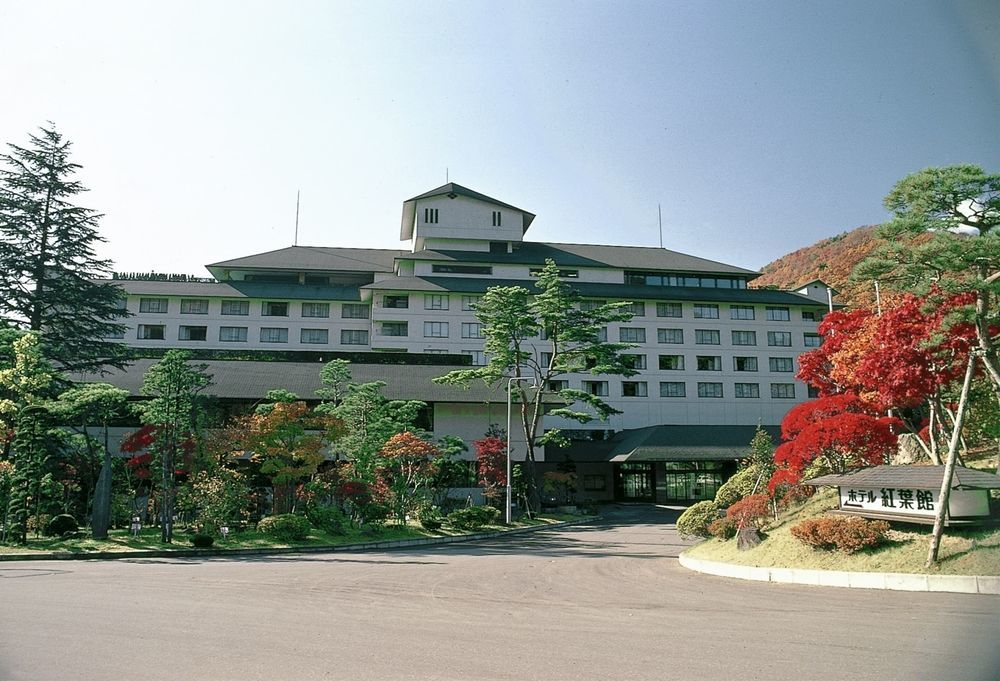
(913, 502)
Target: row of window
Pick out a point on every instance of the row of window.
(714, 337)
(702, 363)
(269, 308)
(779, 391)
(689, 280)
(238, 334)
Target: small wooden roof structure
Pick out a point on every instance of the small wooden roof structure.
(909, 477)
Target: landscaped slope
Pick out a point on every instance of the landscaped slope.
(963, 552)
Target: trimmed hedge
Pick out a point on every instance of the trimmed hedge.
(739, 486)
(695, 520)
(286, 527)
(473, 517)
(842, 533)
(60, 525)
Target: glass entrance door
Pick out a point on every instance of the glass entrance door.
(634, 482)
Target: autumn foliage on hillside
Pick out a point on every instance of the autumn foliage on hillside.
(831, 260)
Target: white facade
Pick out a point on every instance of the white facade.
(710, 351)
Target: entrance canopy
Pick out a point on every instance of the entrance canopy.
(669, 443)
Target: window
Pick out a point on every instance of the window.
(810, 315)
(591, 305)
(707, 337)
(435, 351)
(472, 330)
(156, 305)
(461, 269)
(709, 390)
(150, 332)
(672, 362)
(396, 302)
(779, 338)
(744, 338)
(670, 335)
(314, 336)
(634, 361)
(233, 334)
(780, 364)
(706, 311)
(556, 386)
(672, 389)
(478, 357)
(191, 306)
(354, 337)
(783, 391)
(192, 333)
(812, 340)
(274, 309)
(563, 274)
(316, 280)
(545, 358)
(744, 364)
(394, 329)
(632, 335)
(598, 388)
(602, 334)
(778, 314)
(497, 247)
(435, 329)
(271, 334)
(669, 310)
(746, 390)
(636, 309)
(355, 311)
(634, 389)
(435, 301)
(709, 363)
(741, 312)
(812, 391)
(315, 309)
(497, 218)
(430, 215)
(115, 335)
(595, 483)
(236, 307)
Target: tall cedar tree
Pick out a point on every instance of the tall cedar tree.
(174, 386)
(49, 272)
(540, 336)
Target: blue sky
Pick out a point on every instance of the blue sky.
(760, 127)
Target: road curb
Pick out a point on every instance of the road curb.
(894, 581)
(290, 550)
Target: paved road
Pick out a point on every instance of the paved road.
(600, 601)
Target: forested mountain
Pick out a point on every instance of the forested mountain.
(831, 260)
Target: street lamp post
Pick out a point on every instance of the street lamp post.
(510, 383)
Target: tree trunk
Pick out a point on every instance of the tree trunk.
(949, 469)
(100, 519)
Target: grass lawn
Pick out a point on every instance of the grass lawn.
(122, 541)
(964, 551)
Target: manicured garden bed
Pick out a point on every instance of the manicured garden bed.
(122, 541)
(964, 551)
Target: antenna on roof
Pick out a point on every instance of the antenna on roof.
(296, 242)
(659, 216)
(446, 180)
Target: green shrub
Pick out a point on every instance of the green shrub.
(38, 524)
(751, 511)
(431, 518)
(695, 520)
(374, 513)
(841, 533)
(60, 525)
(330, 519)
(284, 527)
(202, 541)
(473, 517)
(739, 486)
(722, 528)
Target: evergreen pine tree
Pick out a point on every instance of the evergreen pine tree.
(50, 276)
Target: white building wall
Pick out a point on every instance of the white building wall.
(466, 218)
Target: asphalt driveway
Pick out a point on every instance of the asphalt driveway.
(606, 600)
